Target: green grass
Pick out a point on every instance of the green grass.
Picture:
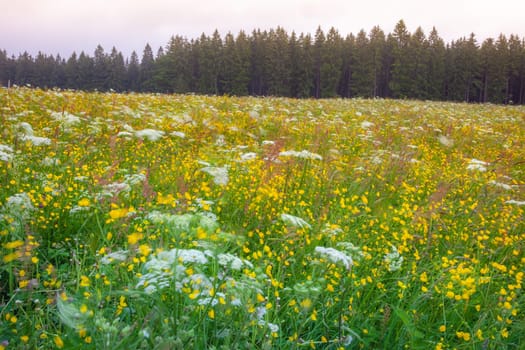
(176, 239)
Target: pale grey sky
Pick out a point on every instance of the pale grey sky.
(64, 26)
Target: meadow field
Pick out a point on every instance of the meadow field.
(142, 221)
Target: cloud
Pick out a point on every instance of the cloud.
(73, 25)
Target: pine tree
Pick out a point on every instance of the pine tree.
(147, 65)
(318, 61)
(278, 63)
(100, 69)
(363, 76)
(117, 71)
(332, 65)
(402, 65)
(71, 72)
(436, 66)
(25, 70)
(258, 63)
(133, 73)
(85, 72)
(301, 63)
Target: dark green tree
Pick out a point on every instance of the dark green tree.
(363, 75)
(278, 63)
(101, 69)
(147, 65)
(402, 65)
(436, 66)
(133, 73)
(117, 71)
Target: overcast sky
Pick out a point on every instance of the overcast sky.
(64, 26)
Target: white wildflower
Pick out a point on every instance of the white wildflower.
(128, 128)
(273, 327)
(260, 312)
(232, 261)
(124, 134)
(445, 141)
(150, 134)
(302, 154)
(248, 156)
(220, 174)
(20, 204)
(502, 185)
(178, 134)
(478, 165)
(351, 249)
(6, 153)
(268, 143)
(332, 230)
(513, 201)
(335, 256)
(220, 141)
(36, 140)
(25, 128)
(77, 209)
(134, 179)
(65, 118)
(117, 187)
(294, 221)
(236, 302)
(184, 256)
(48, 161)
(119, 255)
(393, 259)
(366, 125)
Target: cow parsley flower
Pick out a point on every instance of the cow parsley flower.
(6, 153)
(393, 259)
(302, 154)
(36, 140)
(20, 205)
(335, 256)
(445, 141)
(478, 165)
(294, 221)
(219, 174)
(513, 201)
(150, 134)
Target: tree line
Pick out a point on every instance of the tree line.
(274, 63)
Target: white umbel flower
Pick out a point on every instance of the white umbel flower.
(335, 256)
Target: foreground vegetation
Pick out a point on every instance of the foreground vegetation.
(178, 222)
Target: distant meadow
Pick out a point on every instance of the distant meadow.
(149, 221)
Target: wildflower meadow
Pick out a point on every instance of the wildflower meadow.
(149, 221)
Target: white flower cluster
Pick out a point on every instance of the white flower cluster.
(232, 261)
(184, 222)
(27, 134)
(125, 186)
(476, 164)
(445, 141)
(219, 174)
(335, 256)
(294, 221)
(20, 205)
(149, 134)
(393, 259)
(169, 269)
(302, 154)
(6, 153)
(119, 255)
(169, 265)
(65, 118)
(515, 202)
